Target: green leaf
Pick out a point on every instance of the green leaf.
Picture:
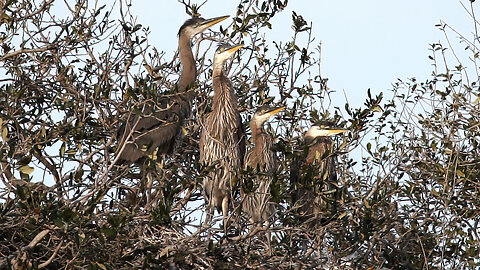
(62, 150)
(26, 169)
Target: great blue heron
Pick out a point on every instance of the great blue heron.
(261, 160)
(222, 141)
(314, 179)
(159, 126)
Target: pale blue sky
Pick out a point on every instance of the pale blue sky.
(365, 44)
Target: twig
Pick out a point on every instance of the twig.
(22, 51)
(55, 252)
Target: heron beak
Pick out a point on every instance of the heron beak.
(234, 48)
(210, 22)
(275, 111)
(332, 132)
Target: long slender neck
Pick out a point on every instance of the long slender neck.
(317, 148)
(221, 84)
(257, 131)
(218, 69)
(189, 70)
(262, 153)
(260, 136)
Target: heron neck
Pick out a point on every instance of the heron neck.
(218, 69)
(189, 71)
(221, 84)
(317, 146)
(224, 98)
(260, 136)
(262, 149)
(257, 130)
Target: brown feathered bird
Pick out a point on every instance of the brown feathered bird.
(261, 160)
(159, 126)
(314, 176)
(222, 141)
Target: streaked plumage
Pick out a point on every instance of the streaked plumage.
(261, 159)
(159, 125)
(222, 141)
(314, 177)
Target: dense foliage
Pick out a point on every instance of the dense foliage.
(69, 80)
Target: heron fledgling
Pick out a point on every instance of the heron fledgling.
(315, 179)
(159, 126)
(222, 141)
(261, 159)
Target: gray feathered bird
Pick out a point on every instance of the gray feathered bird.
(159, 125)
(261, 160)
(314, 175)
(222, 141)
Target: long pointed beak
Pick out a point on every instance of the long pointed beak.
(275, 111)
(210, 22)
(332, 132)
(234, 48)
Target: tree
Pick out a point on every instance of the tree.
(411, 202)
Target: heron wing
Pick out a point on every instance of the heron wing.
(157, 127)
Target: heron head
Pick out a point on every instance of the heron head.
(196, 25)
(264, 113)
(323, 129)
(224, 52)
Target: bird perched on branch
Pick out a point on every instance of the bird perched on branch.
(159, 125)
(222, 141)
(314, 177)
(261, 160)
